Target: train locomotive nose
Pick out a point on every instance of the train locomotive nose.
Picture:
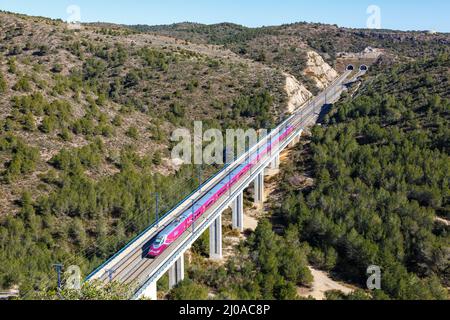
(153, 252)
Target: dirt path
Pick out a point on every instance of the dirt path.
(321, 284)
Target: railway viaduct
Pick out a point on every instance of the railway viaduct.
(132, 266)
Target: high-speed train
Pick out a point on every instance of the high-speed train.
(183, 222)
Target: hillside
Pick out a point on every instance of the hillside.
(283, 45)
(86, 118)
(62, 89)
(85, 123)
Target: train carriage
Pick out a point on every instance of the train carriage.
(176, 228)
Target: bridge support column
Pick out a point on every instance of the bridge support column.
(151, 292)
(275, 164)
(215, 239)
(176, 272)
(259, 189)
(296, 140)
(238, 213)
(293, 143)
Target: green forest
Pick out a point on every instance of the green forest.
(381, 169)
(82, 221)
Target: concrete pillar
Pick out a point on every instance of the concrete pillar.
(275, 164)
(238, 213)
(273, 167)
(176, 272)
(293, 143)
(259, 188)
(151, 292)
(215, 239)
(296, 140)
(299, 136)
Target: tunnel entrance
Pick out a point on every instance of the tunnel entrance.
(363, 68)
(350, 67)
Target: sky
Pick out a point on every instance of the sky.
(394, 14)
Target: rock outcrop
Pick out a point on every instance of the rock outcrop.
(297, 93)
(318, 70)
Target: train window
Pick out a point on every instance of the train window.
(159, 241)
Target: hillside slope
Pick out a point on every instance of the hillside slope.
(282, 45)
(85, 123)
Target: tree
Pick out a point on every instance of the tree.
(3, 84)
(189, 290)
(131, 79)
(23, 84)
(133, 133)
(90, 291)
(78, 232)
(157, 158)
(29, 123)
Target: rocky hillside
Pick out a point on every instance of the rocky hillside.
(85, 123)
(63, 88)
(282, 45)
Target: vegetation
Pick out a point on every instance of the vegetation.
(3, 84)
(23, 158)
(283, 46)
(74, 191)
(267, 266)
(189, 290)
(381, 170)
(89, 291)
(257, 107)
(82, 221)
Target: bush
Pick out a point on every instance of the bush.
(24, 158)
(133, 133)
(157, 158)
(12, 66)
(188, 290)
(48, 124)
(117, 121)
(3, 84)
(57, 68)
(23, 84)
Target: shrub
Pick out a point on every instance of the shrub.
(24, 158)
(133, 133)
(23, 84)
(3, 84)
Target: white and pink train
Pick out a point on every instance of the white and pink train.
(183, 222)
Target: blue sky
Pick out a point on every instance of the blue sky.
(395, 14)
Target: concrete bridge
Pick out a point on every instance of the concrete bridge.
(132, 266)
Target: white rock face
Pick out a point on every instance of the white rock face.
(297, 93)
(318, 70)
